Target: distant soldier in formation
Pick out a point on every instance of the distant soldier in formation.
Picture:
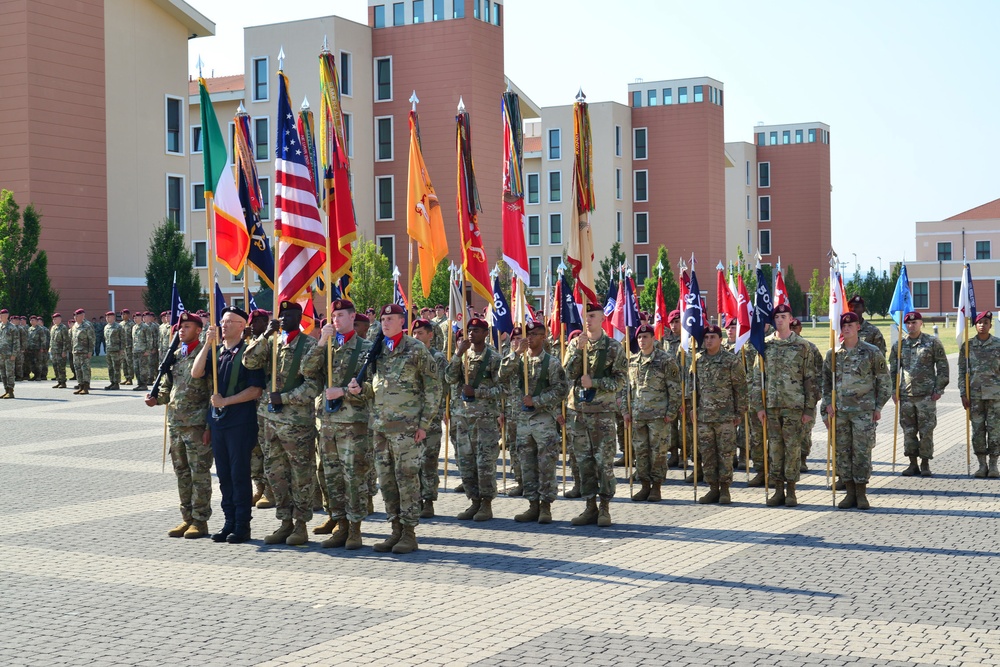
(59, 347)
(35, 340)
(10, 341)
(98, 335)
(186, 398)
(817, 360)
(982, 400)
(671, 343)
(141, 351)
(114, 342)
(509, 420)
(22, 351)
(923, 367)
(43, 356)
(83, 347)
(863, 387)
(423, 331)
(747, 355)
(362, 323)
(163, 335)
(869, 333)
(128, 325)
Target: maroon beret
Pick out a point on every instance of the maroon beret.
(421, 323)
(343, 304)
(361, 317)
(713, 329)
(532, 326)
(392, 309)
(478, 323)
(856, 299)
(574, 334)
(849, 317)
(189, 317)
(54, 315)
(79, 311)
(984, 315)
(913, 316)
(289, 305)
(796, 322)
(110, 312)
(593, 307)
(645, 329)
(783, 308)
(673, 315)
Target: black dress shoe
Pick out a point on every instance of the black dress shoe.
(240, 534)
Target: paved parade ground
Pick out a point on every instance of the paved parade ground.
(89, 577)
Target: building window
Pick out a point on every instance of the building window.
(236, 278)
(668, 96)
(175, 201)
(200, 251)
(798, 136)
(618, 184)
(383, 79)
(996, 290)
(261, 139)
(944, 251)
(618, 226)
(260, 80)
(748, 207)
(639, 186)
(534, 230)
(699, 93)
(618, 140)
(475, 8)
(555, 144)
(636, 98)
(749, 243)
(773, 139)
(555, 186)
(534, 272)
(197, 196)
(641, 269)
(639, 143)
(982, 249)
(533, 189)
(383, 191)
(641, 228)
(651, 98)
(196, 143)
(682, 95)
(418, 11)
(921, 295)
(383, 139)
(786, 137)
(760, 138)
(349, 134)
(956, 292)
(764, 175)
(264, 183)
(555, 261)
(812, 136)
(438, 10)
(764, 208)
(387, 246)
(748, 172)
(496, 13)
(346, 74)
(174, 126)
(555, 229)
(458, 9)
(397, 13)
(379, 16)
(720, 97)
(764, 242)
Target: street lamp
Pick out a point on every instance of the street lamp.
(856, 268)
(880, 266)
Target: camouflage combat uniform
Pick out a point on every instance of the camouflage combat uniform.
(10, 341)
(593, 424)
(43, 354)
(721, 383)
(477, 428)
(187, 404)
(925, 372)
(984, 392)
(127, 366)
(429, 480)
(792, 391)
(35, 339)
(289, 443)
(84, 339)
(140, 354)
(817, 361)
(538, 436)
(22, 351)
(863, 387)
(59, 346)
(114, 341)
(153, 358)
(748, 359)
(871, 334)
(655, 385)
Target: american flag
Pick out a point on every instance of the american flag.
(297, 224)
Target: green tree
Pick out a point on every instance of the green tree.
(608, 268)
(371, 286)
(166, 257)
(819, 293)
(795, 296)
(24, 276)
(439, 288)
(671, 290)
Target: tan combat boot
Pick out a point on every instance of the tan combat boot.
(279, 536)
(485, 512)
(757, 480)
(179, 529)
(196, 529)
(326, 527)
(427, 509)
(258, 492)
(266, 502)
(850, 498)
(299, 536)
(777, 499)
(802, 464)
(353, 536)
(912, 469)
(983, 470)
(589, 514)
(59, 385)
(390, 542)
(925, 467)
(654, 493)
(544, 512)
(724, 497)
(862, 491)
(642, 494)
(711, 497)
(470, 512)
(574, 492)
(81, 389)
(530, 514)
(993, 472)
(338, 536)
(406, 543)
(604, 513)
(790, 499)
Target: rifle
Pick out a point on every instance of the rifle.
(165, 365)
(371, 359)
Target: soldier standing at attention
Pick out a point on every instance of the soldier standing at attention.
(477, 416)
(671, 343)
(186, 398)
(83, 348)
(163, 338)
(655, 383)
(362, 323)
(924, 374)
(140, 350)
(592, 404)
(263, 497)
(863, 387)
(375, 325)
(34, 347)
(43, 356)
(290, 430)
(404, 394)
(538, 405)
(344, 440)
(9, 342)
(721, 382)
(22, 350)
(128, 325)
(99, 335)
(423, 330)
(983, 398)
(509, 420)
(792, 389)
(869, 333)
(817, 359)
(748, 358)
(114, 341)
(59, 346)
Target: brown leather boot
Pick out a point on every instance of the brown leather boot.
(326, 527)
(724, 497)
(654, 493)
(790, 499)
(994, 472)
(299, 535)
(802, 464)
(530, 514)
(711, 497)
(757, 480)
(777, 498)
(604, 513)
(912, 469)
(544, 512)
(279, 536)
(589, 514)
(353, 536)
(485, 512)
(850, 498)
(390, 542)
(338, 536)
(642, 494)
(983, 470)
(862, 491)
(407, 542)
(471, 511)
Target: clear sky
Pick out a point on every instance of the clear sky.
(909, 89)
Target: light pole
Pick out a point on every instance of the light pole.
(880, 266)
(856, 268)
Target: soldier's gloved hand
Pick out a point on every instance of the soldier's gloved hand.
(275, 398)
(272, 327)
(420, 435)
(965, 403)
(354, 387)
(469, 391)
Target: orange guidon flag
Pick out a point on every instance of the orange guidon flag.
(424, 222)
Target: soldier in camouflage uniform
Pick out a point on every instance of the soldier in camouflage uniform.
(290, 430)
(114, 341)
(924, 370)
(748, 358)
(362, 323)
(423, 330)
(43, 356)
(655, 386)
(405, 395)
(344, 439)
(863, 387)
(59, 346)
(163, 333)
(592, 421)
(129, 326)
(982, 400)
(477, 414)
(671, 343)
(9, 342)
(22, 350)
(33, 347)
(263, 497)
(140, 353)
(84, 338)
(187, 401)
(508, 420)
(817, 359)
(375, 326)
(721, 383)
(538, 436)
(869, 333)
(792, 389)
(153, 359)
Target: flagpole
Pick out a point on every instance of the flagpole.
(694, 418)
(447, 398)
(968, 397)
(628, 402)
(746, 421)
(684, 450)
(899, 381)
(763, 422)
(562, 355)
(209, 199)
(832, 431)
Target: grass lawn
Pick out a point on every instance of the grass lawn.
(821, 334)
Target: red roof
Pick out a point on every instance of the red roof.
(218, 84)
(987, 211)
